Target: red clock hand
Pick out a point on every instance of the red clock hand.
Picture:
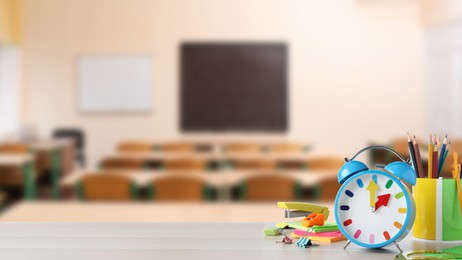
(382, 201)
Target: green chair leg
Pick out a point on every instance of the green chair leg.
(29, 181)
(55, 173)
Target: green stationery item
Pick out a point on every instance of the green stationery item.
(272, 231)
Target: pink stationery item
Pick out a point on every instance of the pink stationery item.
(300, 232)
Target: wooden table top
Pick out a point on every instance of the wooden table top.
(47, 145)
(213, 155)
(214, 178)
(14, 160)
(160, 240)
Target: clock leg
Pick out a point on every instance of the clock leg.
(399, 248)
(346, 245)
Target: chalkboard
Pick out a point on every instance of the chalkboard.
(234, 87)
(115, 83)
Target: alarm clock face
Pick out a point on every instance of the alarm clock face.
(373, 209)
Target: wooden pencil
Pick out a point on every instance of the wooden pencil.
(435, 163)
(418, 159)
(412, 154)
(441, 154)
(445, 156)
(430, 157)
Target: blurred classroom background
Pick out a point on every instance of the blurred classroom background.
(205, 110)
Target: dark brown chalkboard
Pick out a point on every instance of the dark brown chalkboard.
(233, 87)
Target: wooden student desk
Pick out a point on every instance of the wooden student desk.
(167, 240)
(222, 178)
(26, 165)
(57, 155)
(214, 156)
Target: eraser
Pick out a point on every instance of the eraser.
(271, 231)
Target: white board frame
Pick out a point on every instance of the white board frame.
(121, 83)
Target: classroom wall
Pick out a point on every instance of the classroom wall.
(355, 70)
(436, 12)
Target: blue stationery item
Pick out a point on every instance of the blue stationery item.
(441, 157)
(304, 242)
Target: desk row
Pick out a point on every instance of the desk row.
(136, 161)
(196, 185)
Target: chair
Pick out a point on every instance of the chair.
(327, 188)
(285, 147)
(179, 188)
(122, 164)
(135, 147)
(185, 164)
(269, 187)
(325, 163)
(401, 146)
(379, 156)
(78, 136)
(106, 187)
(14, 148)
(255, 164)
(242, 147)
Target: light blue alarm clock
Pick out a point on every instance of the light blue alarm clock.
(374, 208)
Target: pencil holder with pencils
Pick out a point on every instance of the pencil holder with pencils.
(438, 211)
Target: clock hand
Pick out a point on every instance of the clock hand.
(382, 201)
(372, 188)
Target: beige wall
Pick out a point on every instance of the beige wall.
(440, 11)
(356, 67)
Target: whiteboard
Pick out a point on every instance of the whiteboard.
(115, 83)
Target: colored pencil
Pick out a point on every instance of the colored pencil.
(420, 173)
(412, 154)
(444, 158)
(437, 145)
(441, 154)
(430, 155)
(435, 163)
